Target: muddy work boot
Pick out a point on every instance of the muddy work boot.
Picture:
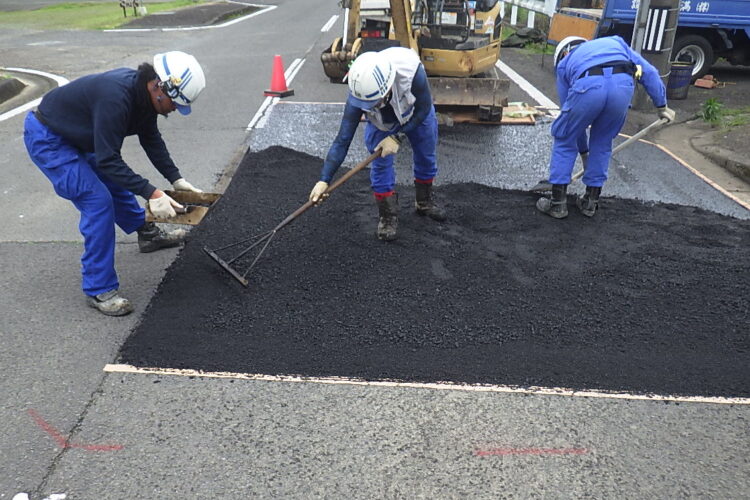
(152, 238)
(589, 202)
(557, 206)
(388, 221)
(425, 203)
(110, 303)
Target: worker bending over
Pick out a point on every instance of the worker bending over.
(75, 138)
(391, 89)
(595, 83)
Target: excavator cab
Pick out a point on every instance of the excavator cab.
(458, 42)
(456, 39)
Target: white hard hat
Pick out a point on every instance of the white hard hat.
(181, 78)
(565, 45)
(370, 78)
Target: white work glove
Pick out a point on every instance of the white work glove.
(388, 146)
(163, 207)
(318, 193)
(183, 185)
(666, 112)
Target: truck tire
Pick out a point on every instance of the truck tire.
(694, 49)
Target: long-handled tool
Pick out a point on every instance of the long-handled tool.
(544, 185)
(266, 238)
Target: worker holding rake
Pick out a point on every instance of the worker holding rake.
(595, 83)
(390, 88)
(75, 139)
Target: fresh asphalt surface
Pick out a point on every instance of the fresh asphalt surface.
(152, 436)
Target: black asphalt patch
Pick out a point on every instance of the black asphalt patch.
(645, 298)
(198, 15)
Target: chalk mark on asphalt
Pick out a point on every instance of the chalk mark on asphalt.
(64, 442)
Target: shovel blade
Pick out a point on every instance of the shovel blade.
(542, 186)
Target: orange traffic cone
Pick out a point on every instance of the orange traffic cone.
(278, 80)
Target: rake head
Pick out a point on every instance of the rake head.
(241, 276)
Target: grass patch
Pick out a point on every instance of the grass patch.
(81, 15)
(714, 112)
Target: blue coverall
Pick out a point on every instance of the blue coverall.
(421, 129)
(75, 139)
(599, 101)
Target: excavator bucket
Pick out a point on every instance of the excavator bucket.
(336, 59)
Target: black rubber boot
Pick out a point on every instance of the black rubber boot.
(589, 202)
(388, 221)
(557, 206)
(425, 203)
(152, 238)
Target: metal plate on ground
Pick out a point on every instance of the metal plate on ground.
(196, 207)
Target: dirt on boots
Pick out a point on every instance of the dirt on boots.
(151, 238)
(589, 202)
(110, 303)
(557, 205)
(388, 218)
(425, 202)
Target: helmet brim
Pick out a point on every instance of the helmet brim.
(183, 109)
(361, 103)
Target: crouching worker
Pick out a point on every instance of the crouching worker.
(391, 89)
(595, 84)
(75, 138)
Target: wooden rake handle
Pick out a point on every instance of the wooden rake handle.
(330, 189)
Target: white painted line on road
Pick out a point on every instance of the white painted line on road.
(261, 117)
(330, 23)
(527, 87)
(545, 391)
(25, 107)
(266, 8)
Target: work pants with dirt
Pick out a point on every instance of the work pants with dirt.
(423, 140)
(598, 101)
(102, 204)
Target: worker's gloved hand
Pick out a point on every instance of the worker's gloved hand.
(318, 193)
(388, 146)
(638, 72)
(666, 112)
(163, 207)
(183, 185)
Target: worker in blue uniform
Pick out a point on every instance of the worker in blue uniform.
(390, 88)
(595, 84)
(75, 137)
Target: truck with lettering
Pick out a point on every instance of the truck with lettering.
(706, 29)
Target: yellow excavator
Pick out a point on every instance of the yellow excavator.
(458, 42)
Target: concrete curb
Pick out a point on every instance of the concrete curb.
(706, 144)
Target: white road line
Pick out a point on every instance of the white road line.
(546, 391)
(17, 111)
(266, 8)
(327, 26)
(261, 116)
(527, 87)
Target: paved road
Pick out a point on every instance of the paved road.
(156, 436)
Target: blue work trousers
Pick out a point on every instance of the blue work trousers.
(601, 102)
(102, 204)
(423, 140)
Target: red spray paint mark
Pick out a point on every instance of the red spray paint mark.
(63, 442)
(529, 451)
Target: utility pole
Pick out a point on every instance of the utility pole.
(653, 37)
